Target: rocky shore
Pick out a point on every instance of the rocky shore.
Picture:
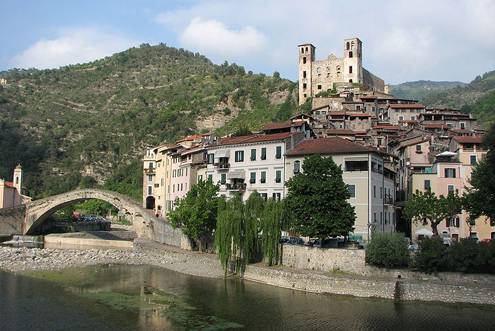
(30, 259)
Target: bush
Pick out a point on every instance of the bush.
(387, 250)
(467, 256)
(432, 255)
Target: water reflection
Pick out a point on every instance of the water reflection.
(148, 298)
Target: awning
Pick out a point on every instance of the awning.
(222, 153)
(236, 174)
(424, 232)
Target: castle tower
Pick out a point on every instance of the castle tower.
(18, 178)
(353, 65)
(306, 59)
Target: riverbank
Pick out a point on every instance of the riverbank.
(479, 289)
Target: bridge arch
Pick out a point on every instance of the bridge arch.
(144, 223)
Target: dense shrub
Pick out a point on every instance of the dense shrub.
(466, 256)
(387, 250)
(432, 255)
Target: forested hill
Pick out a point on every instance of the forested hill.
(418, 90)
(477, 97)
(88, 123)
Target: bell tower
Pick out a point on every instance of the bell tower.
(306, 59)
(18, 178)
(353, 64)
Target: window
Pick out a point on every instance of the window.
(463, 125)
(263, 153)
(253, 154)
(161, 182)
(150, 178)
(264, 196)
(453, 222)
(278, 176)
(352, 190)
(304, 74)
(450, 189)
(263, 177)
(239, 156)
(381, 192)
(210, 177)
(304, 85)
(252, 178)
(350, 80)
(211, 158)
(473, 160)
(418, 148)
(150, 190)
(350, 54)
(150, 165)
(356, 165)
(181, 187)
(278, 152)
(427, 185)
(374, 217)
(374, 191)
(304, 60)
(297, 167)
(223, 179)
(381, 218)
(319, 87)
(449, 172)
(350, 69)
(276, 196)
(347, 45)
(401, 118)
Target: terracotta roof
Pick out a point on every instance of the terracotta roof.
(469, 139)
(386, 127)
(254, 138)
(359, 115)
(325, 146)
(277, 125)
(341, 132)
(436, 126)
(406, 106)
(191, 137)
(9, 184)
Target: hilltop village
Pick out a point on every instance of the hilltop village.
(387, 147)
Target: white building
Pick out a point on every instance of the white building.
(245, 164)
(371, 185)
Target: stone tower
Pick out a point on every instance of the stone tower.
(18, 178)
(353, 63)
(306, 59)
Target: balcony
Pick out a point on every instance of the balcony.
(388, 200)
(149, 171)
(222, 165)
(241, 187)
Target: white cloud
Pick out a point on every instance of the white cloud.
(403, 40)
(214, 37)
(71, 46)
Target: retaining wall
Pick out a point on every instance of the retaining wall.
(11, 220)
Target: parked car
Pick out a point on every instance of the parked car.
(295, 241)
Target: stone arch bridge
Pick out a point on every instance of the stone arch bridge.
(24, 219)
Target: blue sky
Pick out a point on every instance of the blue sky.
(402, 40)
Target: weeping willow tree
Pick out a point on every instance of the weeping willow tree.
(254, 209)
(235, 235)
(271, 221)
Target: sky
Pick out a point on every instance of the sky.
(402, 40)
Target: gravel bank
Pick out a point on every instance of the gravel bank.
(144, 252)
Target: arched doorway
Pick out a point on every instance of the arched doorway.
(150, 202)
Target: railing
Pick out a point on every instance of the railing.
(149, 170)
(388, 200)
(236, 187)
(223, 165)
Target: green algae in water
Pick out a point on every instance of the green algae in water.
(86, 282)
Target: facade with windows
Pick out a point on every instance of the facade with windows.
(245, 164)
(370, 184)
(451, 173)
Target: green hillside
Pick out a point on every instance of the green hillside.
(88, 123)
(477, 97)
(420, 89)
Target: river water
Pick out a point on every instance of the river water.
(148, 298)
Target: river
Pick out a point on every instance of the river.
(120, 297)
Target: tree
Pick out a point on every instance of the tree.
(235, 235)
(426, 207)
(271, 227)
(317, 200)
(196, 213)
(255, 206)
(480, 198)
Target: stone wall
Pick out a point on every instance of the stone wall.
(11, 220)
(375, 287)
(326, 259)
